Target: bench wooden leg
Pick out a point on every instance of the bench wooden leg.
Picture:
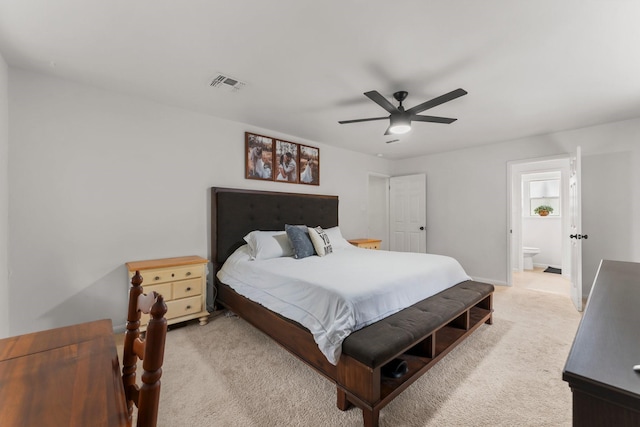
(487, 304)
(343, 403)
(371, 417)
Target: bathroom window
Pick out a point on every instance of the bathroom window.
(544, 193)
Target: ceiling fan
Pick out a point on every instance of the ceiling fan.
(399, 119)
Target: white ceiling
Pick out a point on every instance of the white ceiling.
(530, 67)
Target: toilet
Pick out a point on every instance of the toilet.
(528, 253)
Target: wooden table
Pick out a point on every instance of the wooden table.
(62, 377)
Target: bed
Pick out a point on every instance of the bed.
(410, 340)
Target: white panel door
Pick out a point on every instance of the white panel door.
(408, 213)
(575, 228)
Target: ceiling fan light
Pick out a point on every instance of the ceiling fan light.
(399, 125)
(399, 129)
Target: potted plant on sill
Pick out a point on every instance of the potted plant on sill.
(543, 210)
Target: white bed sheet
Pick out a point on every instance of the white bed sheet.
(337, 294)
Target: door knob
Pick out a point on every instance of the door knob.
(421, 228)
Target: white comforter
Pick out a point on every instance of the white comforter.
(342, 292)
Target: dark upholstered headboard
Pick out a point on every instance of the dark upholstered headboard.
(235, 212)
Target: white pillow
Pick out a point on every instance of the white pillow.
(268, 244)
(336, 239)
(320, 240)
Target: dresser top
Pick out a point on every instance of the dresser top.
(165, 262)
(607, 344)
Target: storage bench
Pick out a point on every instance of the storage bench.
(419, 335)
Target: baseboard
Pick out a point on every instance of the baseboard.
(547, 265)
(118, 329)
(492, 281)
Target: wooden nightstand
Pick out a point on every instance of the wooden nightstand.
(366, 243)
(181, 281)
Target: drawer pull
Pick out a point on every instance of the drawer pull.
(188, 289)
(156, 278)
(188, 307)
(188, 273)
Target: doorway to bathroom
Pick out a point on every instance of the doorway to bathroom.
(378, 208)
(540, 257)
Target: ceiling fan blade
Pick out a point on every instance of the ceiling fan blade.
(433, 119)
(437, 101)
(342, 122)
(381, 101)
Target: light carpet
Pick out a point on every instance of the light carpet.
(227, 373)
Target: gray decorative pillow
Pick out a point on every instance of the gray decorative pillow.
(300, 241)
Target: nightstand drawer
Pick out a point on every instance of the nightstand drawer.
(152, 277)
(183, 307)
(188, 272)
(177, 308)
(186, 288)
(370, 245)
(164, 289)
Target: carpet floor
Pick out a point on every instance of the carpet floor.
(227, 373)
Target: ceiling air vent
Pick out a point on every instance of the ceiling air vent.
(228, 83)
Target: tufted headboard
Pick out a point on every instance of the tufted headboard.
(236, 212)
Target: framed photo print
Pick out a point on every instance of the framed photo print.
(309, 165)
(286, 164)
(258, 157)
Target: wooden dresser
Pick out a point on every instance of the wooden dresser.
(181, 281)
(366, 243)
(599, 369)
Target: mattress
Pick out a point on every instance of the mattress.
(335, 295)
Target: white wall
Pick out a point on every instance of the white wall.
(98, 179)
(467, 200)
(4, 199)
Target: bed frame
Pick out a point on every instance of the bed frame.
(236, 212)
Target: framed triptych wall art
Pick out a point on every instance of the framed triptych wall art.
(272, 159)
